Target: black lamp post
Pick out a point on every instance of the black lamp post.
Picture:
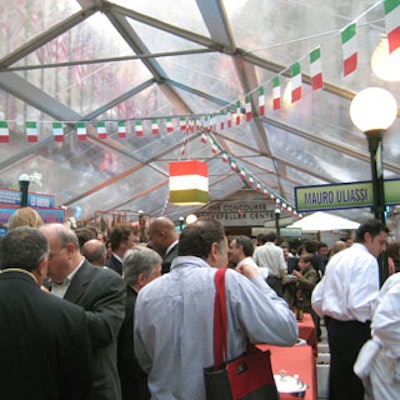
(23, 187)
(373, 111)
(277, 226)
(181, 222)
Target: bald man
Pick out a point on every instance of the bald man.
(164, 239)
(95, 251)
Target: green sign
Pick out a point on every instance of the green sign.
(346, 195)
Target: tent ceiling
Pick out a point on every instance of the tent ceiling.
(93, 60)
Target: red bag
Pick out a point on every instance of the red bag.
(248, 377)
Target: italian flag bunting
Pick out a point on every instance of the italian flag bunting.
(261, 101)
(316, 69)
(233, 166)
(138, 127)
(4, 132)
(251, 180)
(349, 48)
(224, 157)
(81, 130)
(101, 130)
(248, 108)
(258, 187)
(58, 132)
(121, 129)
(154, 127)
(296, 82)
(238, 112)
(182, 123)
(276, 92)
(242, 173)
(31, 131)
(170, 127)
(392, 23)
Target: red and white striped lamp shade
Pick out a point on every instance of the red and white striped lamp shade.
(188, 182)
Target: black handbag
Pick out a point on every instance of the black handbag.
(248, 377)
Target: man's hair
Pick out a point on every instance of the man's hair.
(94, 251)
(372, 226)
(246, 243)
(23, 247)
(270, 236)
(120, 233)
(140, 260)
(196, 239)
(84, 234)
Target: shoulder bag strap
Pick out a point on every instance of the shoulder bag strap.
(220, 320)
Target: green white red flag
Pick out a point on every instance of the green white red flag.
(316, 69)
(222, 120)
(225, 157)
(81, 131)
(4, 132)
(121, 129)
(233, 166)
(182, 123)
(276, 93)
(392, 23)
(203, 138)
(350, 49)
(101, 130)
(138, 127)
(247, 105)
(58, 132)
(31, 131)
(229, 119)
(296, 82)
(261, 101)
(238, 112)
(214, 148)
(170, 127)
(154, 127)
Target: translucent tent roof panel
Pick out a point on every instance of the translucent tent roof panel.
(135, 62)
(29, 19)
(185, 13)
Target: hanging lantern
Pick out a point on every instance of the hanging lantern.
(188, 182)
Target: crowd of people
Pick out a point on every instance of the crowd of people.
(110, 318)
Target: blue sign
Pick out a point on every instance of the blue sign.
(14, 198)
(48, 215)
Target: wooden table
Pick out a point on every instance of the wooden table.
(308, 332)
(298, 360)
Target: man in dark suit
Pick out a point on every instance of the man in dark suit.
(164, 239)
(141, 265)
(122, 238)
(100, 292)
(45, 351)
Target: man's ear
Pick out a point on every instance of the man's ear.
(41, 271)
(212, 257)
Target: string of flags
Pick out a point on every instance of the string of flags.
(245, 175)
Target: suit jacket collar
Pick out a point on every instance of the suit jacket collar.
(79, 283)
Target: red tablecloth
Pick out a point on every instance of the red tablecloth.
(298, 360)
(308, 332)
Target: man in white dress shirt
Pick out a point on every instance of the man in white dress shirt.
(270, 256)
(240, 251)
(378, 363)
(346, 298)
